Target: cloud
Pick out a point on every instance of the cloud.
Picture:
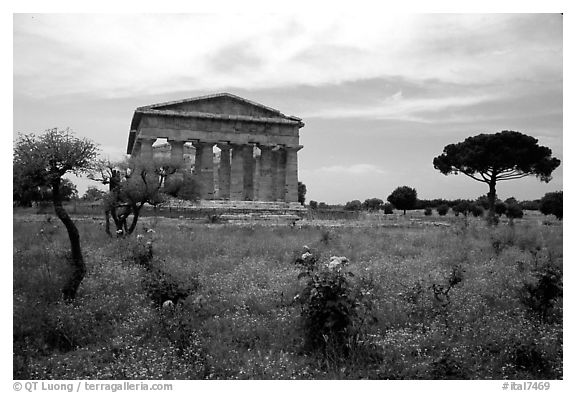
(356, 169)
(127, 54)
(398, 107)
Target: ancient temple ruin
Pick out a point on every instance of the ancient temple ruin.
(238, 150)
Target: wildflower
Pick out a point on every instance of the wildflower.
(306, 255)
(337, 262)
(168, 305)
(139, 237)
(119, 232)
(150, 231)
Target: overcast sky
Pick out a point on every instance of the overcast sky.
(380, 94)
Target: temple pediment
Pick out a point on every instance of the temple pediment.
(214, 118)
(217, 105)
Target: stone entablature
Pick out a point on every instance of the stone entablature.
(258, 145)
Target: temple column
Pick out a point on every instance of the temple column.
(204, 169)
(177, 158)
(197, 161)
(281, 175)
(177, 151)
(274, 170)
(136, 149)
(292, 173)
(265, 180)
(224, 172)
(237, 173)
(256, 182)
(249, 172)
(146, 148)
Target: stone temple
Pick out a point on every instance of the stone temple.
(237, 150)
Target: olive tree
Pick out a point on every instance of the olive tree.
(42, 161)
(134, 183)
(490, 158)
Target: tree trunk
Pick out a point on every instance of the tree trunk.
(492, 201)
(107, 228)
(77, 262)
(117, 220)
(136, 212)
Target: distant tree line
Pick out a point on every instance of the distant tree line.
(549, 204)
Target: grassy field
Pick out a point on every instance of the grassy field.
(239, 315)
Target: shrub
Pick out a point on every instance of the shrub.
(354, 205)
(462, 207)
(476, 210)
(540, 294)
(330, 305)
(551, 203)
(388, 208)
(159, 284)
(530, 205)
(428, 211)
(162, 286)
(500, 208)
(442, 210)
(183, 187)
(140, 251)
(373, 204)
(514, 211)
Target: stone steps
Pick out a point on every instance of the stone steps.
(237, 205)
(250, 205)
(260, 217)
(234, 211)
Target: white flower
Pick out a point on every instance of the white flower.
(168, 305)
(337, 262)
(119, 231)
(334, 265)
(150, 231)
(139, 237)
(306, 255)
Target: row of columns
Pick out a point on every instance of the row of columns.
(273, 176)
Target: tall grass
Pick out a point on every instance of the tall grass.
(240, 319)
